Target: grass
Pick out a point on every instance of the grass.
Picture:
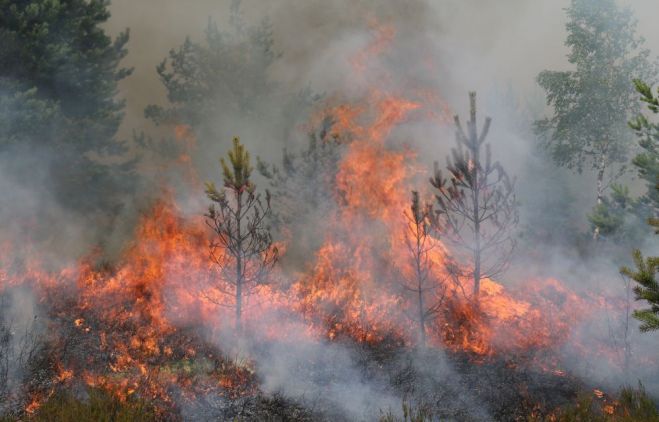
(631, 405)
(410, 414)
(100, 406)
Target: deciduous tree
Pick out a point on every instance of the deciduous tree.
(593, 102)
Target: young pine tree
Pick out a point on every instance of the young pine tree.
(647, 162)
(647, 289)
(476, 207)
(427, 293)
(242, 247)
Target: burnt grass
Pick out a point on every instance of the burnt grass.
(450, 385)
(463, 386)
(447, 385)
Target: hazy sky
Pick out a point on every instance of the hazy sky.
(487, 41)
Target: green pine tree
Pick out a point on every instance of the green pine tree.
(645, 275)
(242, 246)
(647, 162)
(58, 96)
(611, 214)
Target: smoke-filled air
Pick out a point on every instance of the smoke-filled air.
(372, 210)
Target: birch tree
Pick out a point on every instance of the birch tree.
(592, 103)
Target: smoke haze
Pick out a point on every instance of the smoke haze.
(449, 47)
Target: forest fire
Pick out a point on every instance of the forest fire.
(353, 277)
(131, 317)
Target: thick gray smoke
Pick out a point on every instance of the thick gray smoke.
(21, 333)
(445, 46)
(451, 47)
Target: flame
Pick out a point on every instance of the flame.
(352, 287)
(140, 319)
(132, 316)
(382, 37)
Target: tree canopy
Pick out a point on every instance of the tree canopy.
(58, 97)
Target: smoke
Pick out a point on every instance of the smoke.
(324, 374)
(448, 47)
(21, 331)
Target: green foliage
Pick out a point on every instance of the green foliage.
(230, 70)
(99, 406)
(237, 175)
(242, 246)
(592, 103)
(635, 404)
(647, 289)
(631, 405)
(24, 115)
(647, 162)
(58, 96)
(611, 214)
(58, 51)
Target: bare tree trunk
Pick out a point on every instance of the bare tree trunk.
(600, 196)
(239, 265)
(475, 153)
(422, 321)
(627, 334)
(477, 251)
(419, 275)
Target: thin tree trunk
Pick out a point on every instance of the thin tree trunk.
(422, 318)
(422, 321)
(600, 196)
(477, 252)
(239, 265)
(627, 339)
(477, 226)
(475, 156)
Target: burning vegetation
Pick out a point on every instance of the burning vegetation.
(341, 284)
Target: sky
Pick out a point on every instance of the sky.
(507, 41)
